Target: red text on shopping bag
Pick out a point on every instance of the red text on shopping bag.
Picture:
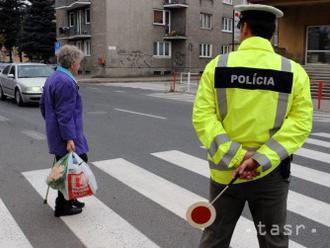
(78, 185)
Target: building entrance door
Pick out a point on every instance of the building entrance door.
(318, 44)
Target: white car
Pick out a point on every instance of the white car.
(24, 82)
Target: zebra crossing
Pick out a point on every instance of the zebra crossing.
(106, 228)
(321, 117)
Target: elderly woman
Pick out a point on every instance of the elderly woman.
(61, 107)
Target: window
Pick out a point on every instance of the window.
(87, 47)
(318, 44)
(79, 45)
(162, 49)
(34, 71)
(159, 17)
(6, 70)
(225, 49)
(87, 16)
(71, 19)
(12, 70)
(206, 21)
(230, 2)
(227, 24)
(205, 50)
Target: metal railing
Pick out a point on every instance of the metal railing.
(169, 2)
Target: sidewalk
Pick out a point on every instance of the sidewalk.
(163, 83)
(89, 80)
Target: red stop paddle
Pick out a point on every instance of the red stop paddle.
(202, 214)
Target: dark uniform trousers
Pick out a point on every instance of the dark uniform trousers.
(84, 157)
(267, 200)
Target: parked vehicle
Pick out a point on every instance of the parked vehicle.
(24, 82)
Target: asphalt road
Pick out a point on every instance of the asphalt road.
(144, 205)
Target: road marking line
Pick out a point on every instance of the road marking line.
(172, 197)
(318, 142)
(297, 203)
(3, 119)
(34, 134)
(315, 155)
(11, 234)
(97, 113)
(181, 97)
(97, 225)
(326, 135)
(139, 113)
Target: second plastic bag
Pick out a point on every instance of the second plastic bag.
(73, 177)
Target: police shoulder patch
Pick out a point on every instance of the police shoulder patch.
(253, 79)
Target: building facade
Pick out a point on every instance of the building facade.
(304, 31)
(146, 37)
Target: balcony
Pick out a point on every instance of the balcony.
(71, 4)
(175, 4)
(72, 33)
(174, 35)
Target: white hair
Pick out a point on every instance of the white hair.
(69, 55)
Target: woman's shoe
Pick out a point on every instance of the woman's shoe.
(77, 203)
(65, 208)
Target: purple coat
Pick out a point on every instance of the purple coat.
(61, 107)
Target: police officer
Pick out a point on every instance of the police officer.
(252, 111)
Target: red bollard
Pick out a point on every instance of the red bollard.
(319, 95)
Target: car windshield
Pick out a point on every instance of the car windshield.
(33, 71)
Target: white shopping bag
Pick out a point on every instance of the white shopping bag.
(80, 180)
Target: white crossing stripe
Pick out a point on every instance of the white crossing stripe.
(139, 113)
(97, 225)
(326, 135)
(3, 119)
(311, 175)
(10, 233)
(34, 134)
(323, 114)
(321, 119)
(318, 142)
(172, 197)
(321, 212)
(315, 155)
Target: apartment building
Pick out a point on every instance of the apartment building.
(146, 37)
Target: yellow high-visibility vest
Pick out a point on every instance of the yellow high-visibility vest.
(252, 99)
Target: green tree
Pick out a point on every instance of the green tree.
(38, 33)
(10, 22)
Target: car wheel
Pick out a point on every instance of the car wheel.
(2, 95)
(18, 98)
